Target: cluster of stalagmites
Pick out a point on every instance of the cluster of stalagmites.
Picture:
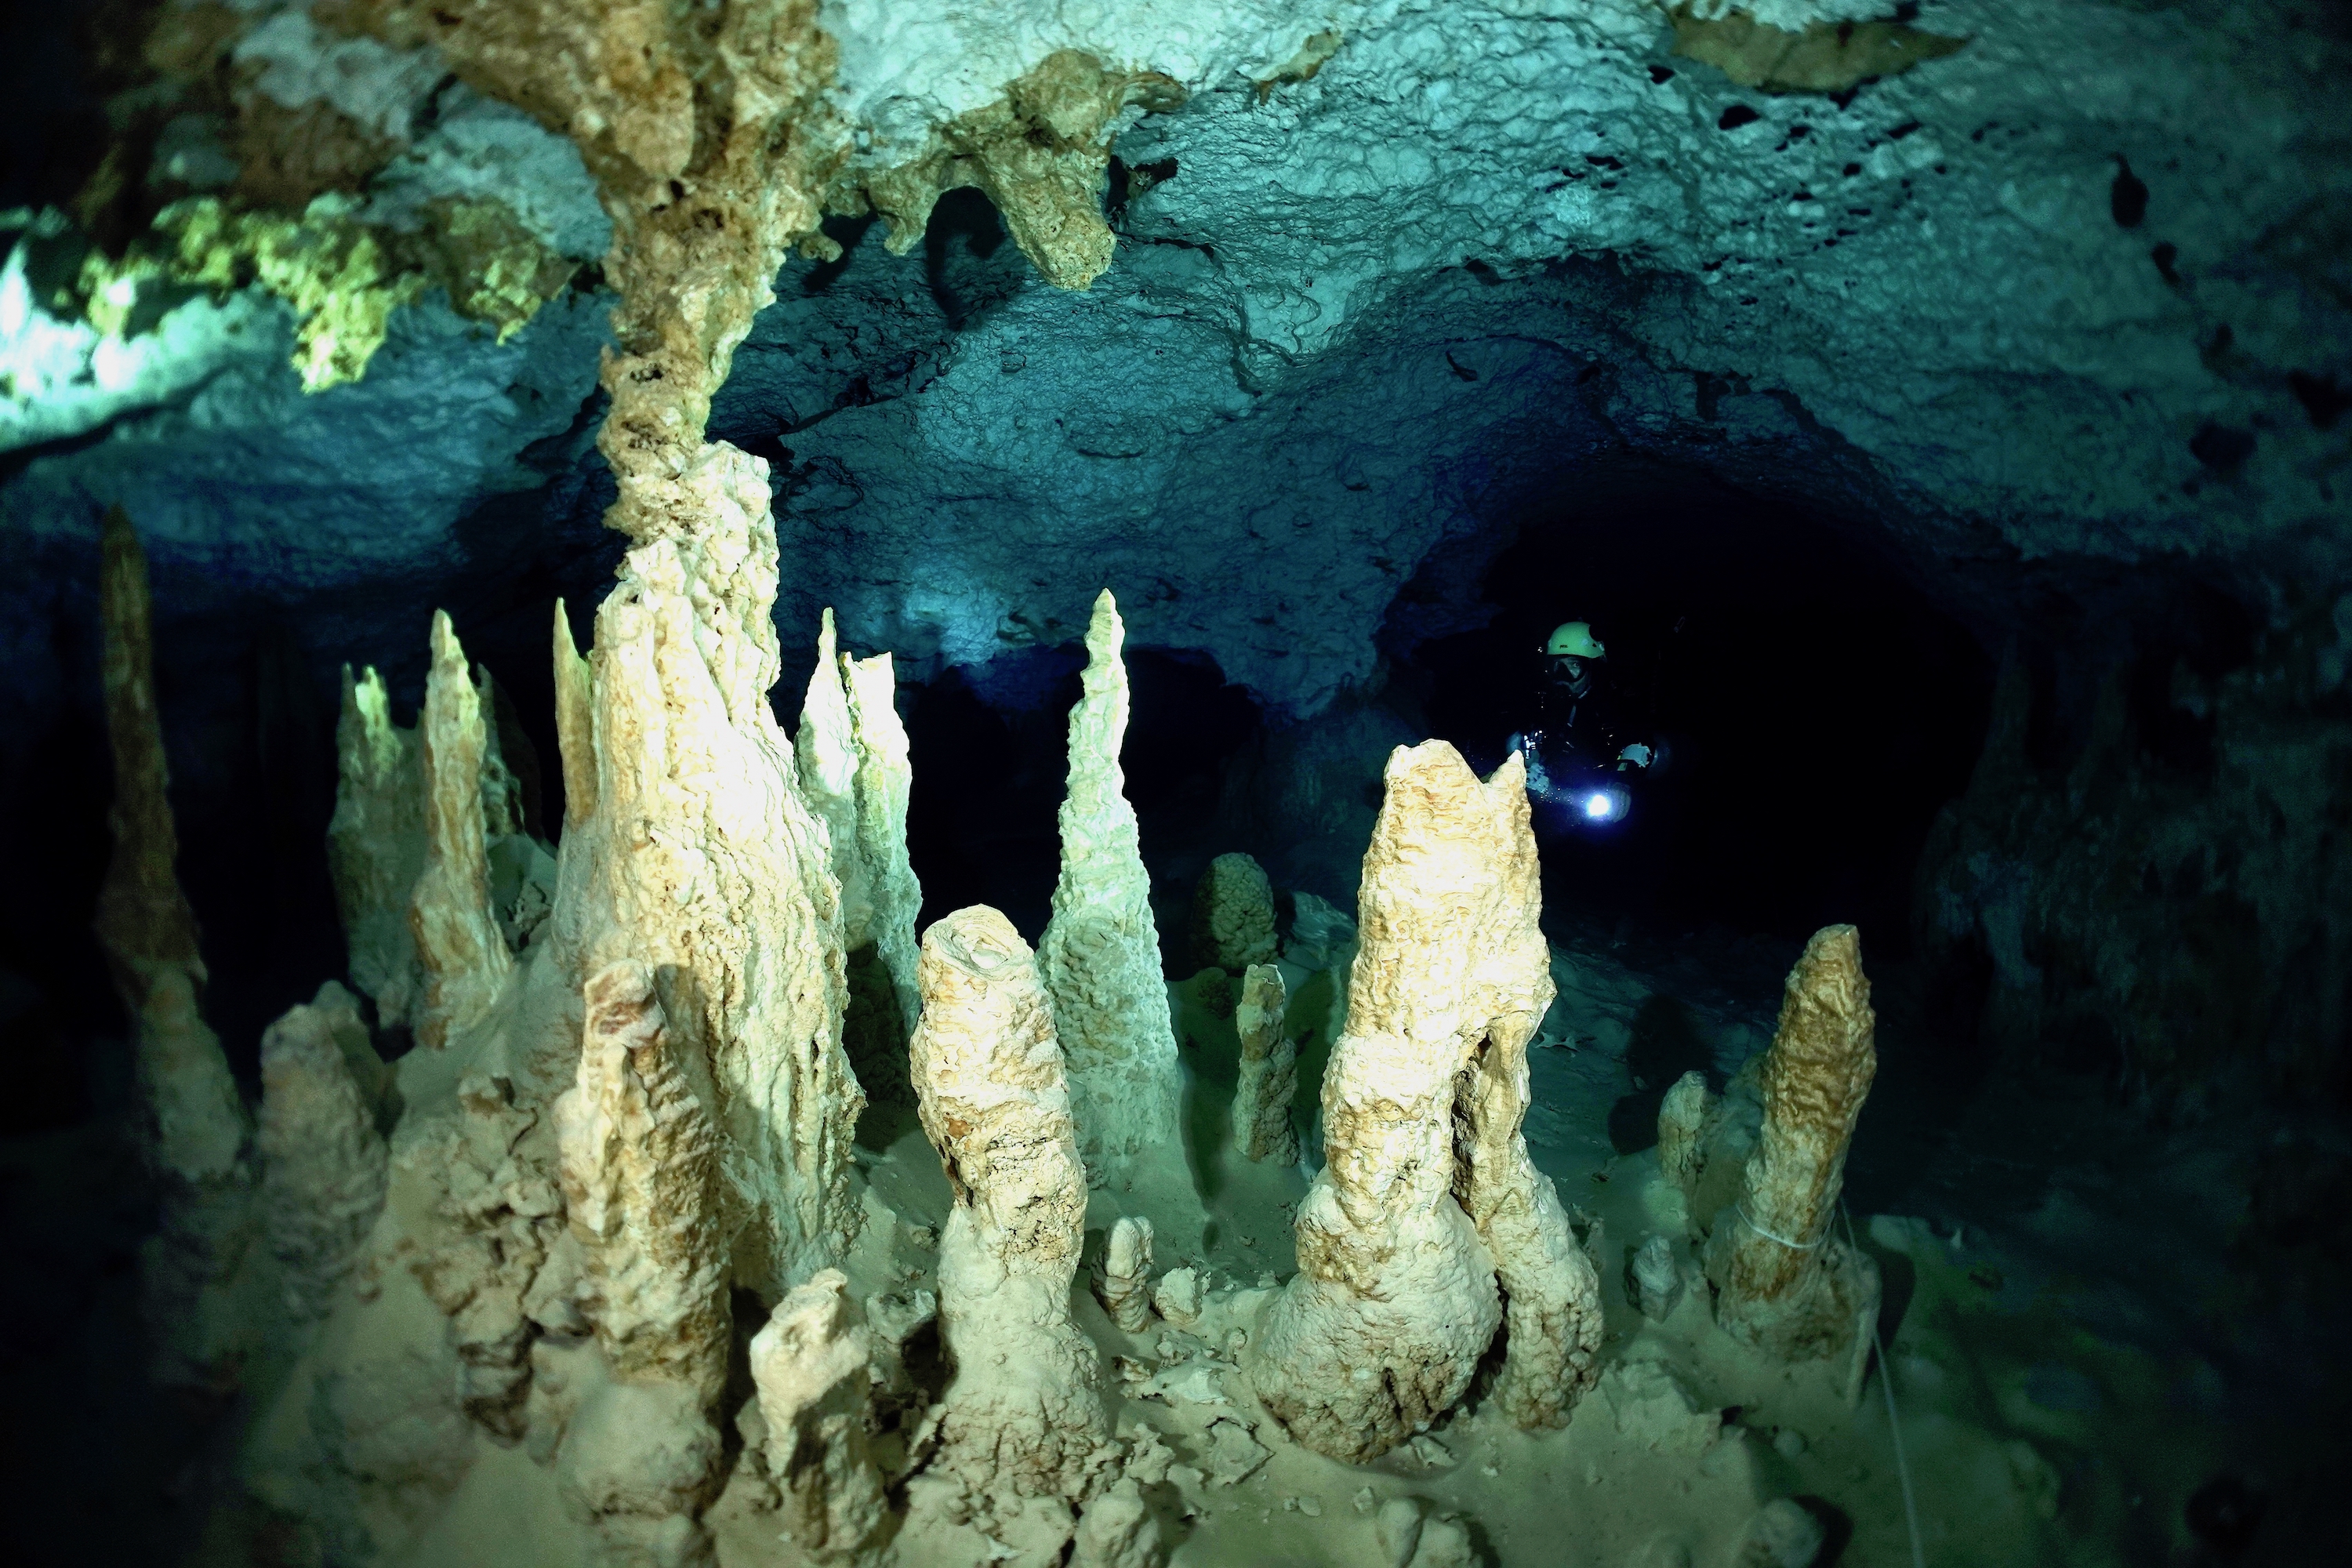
(625, 1125)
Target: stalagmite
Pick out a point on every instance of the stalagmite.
(1119, 1530)
(1100, 957)
(1395, 1298)
(1126, 1283)
(1682, 1116)
(826, 757)
(1024, 1409)
(575, 724)
(197, 1125)
(700, 861)
(885, 783)
(1269, 1071)
(812, 1365)
(1783, 1282)
(1233, 915)
(463, 953)
(376, 845)
(323, 1160)
(640, 1173)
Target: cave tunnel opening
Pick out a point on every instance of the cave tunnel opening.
(1813, 707)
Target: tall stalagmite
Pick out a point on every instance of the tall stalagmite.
(1100, 957)
(376, 845)
(323, 1163)
(197, 1125)
(1268, 1078)
(700, 861)
(459, 943)
(886, 778)
(1783, 1282)
(1395, 1298)
(1024, 1409)
(826, 757)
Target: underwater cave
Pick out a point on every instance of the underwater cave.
(1480, 784)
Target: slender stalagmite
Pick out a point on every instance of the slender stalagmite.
(464, 955)
(1100, 957)
(826, 757)
(1024, 1409)
(1395, 1298)
(812, 1367)
(376, 845)
(1682, 1116)
(700, 860)
(885, 783)
(1783, 1282)
(197, 1125)
(1268, 1079)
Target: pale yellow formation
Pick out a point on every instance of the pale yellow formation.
(1395, 1299)
(812, 1367)
(323, 1163)
(375, 844)
(575, 724)
(1100, 957)
(1042, 153)
(700, 861)
(641, 1175)
(1783, 1282)
(1824, 57)
(1268, 1079)
(1125, 1286)
(826, 757)
(1024, 1410)
(463, 953)
(195, 1122)
(886, 778)
(1233, 915)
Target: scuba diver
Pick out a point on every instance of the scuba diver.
(1584, 749)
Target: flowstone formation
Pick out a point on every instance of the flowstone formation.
(1428, 1197)
(1101, 960)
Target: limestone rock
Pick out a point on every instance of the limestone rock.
(641, 1180)
(827, 759)
(1411, 1536)
(1782, 1282)
(812, 1364)
(1783, 1534)
(1023, 1409)
(376, 845)
(1268, 1079)
(1652, 1407)
(1653, 1281)
(1177, 1298)
(640, 1460)
(1125, 1286)
(1681, 1116)
(195, 1122)
(1395, 1298)
(459, 946)
(701, 862)
(1101, 959)
(884, 783)
(1119, 1530)
(1233, 915)
(323, 1163)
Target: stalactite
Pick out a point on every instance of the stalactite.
(458, 943)
(1023, 1409)
(1268, 1079)
(1395, 1298)
(197, 1131)
(376, 845)
(1783, 1282)
(1100, 957)
(323, 1161)
(813, 1365)
(701, 861)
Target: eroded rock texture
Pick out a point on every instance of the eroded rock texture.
(1233, 914)
(1395, 1297)
(1101, 960)
(1024, 1411)
(701, 861)
(1783, 1281)
(812, 1364)
(1268, 1079)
